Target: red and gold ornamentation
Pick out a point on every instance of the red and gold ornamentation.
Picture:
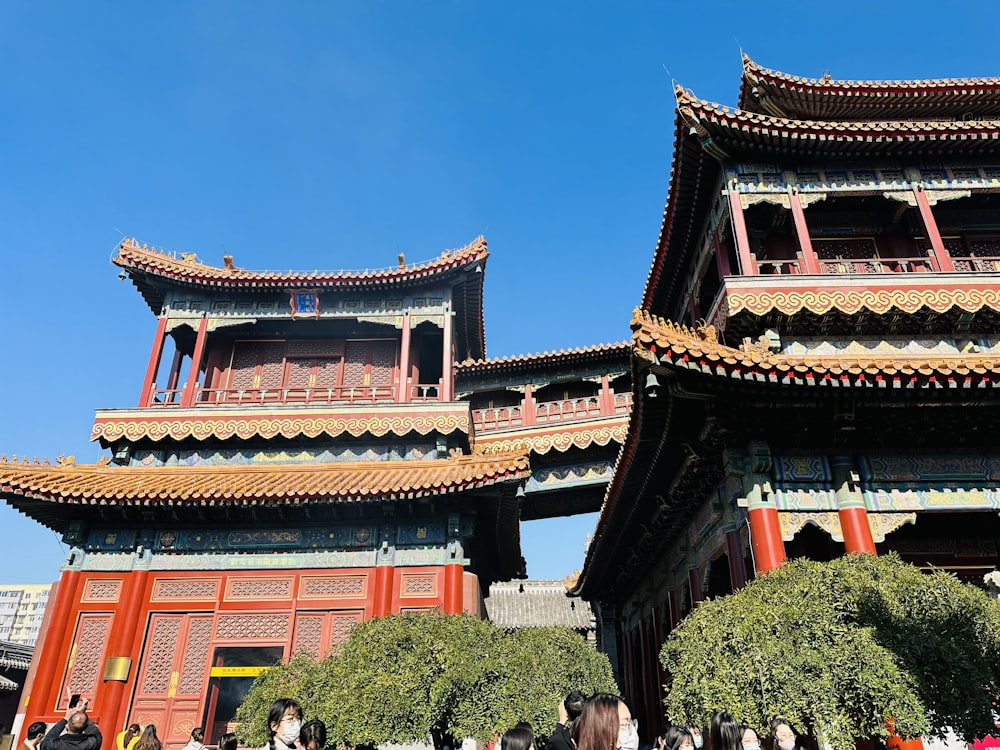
(206, 424)
(561, 438)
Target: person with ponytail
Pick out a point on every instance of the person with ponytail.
(284, 722)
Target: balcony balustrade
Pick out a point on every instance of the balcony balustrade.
(504, 417)
(286, 395)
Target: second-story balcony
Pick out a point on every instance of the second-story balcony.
(347, 394)
(529, 412)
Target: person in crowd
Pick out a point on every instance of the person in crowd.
(34, 736)
(74, 732)
(605, 723)
(725, 733)
(518, 738)
(569, 712)
(125, 740)
(312, 736)
(284, 722)
(197, 741)
(228, 741)
(784, 736)
(148, 739)
(676, 737)
(750, 739)
(696, 735)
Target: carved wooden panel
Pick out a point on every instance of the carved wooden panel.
(87, 657)
(158, 656)
(342, 623)
(309, 634)
(187, 589)
(252, 627)
(333, 587)
(102, 590)
(419, 585)
(194, 665)
(259, 588)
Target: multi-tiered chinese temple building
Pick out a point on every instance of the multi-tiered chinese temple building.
(308, 451)
(816, 366)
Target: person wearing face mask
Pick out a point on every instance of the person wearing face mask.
(750, 739)
(284, 722)
(605, 724)
(676, 738)
(696, 736)
(726, 734)
(784, 735)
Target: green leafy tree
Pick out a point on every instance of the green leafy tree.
(410, 676)
(842, 648)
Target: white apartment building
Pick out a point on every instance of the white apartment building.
(21, 612)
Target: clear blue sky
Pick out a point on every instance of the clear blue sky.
(337, 134)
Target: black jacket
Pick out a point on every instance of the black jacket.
(560, 739)
(89, 739)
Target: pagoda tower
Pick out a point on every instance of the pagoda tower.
(297, 462)
(815, 362)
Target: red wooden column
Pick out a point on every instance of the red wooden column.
(737, 568)
(607, 397)
(529, 413)
(851, 508)
(674, 598)
(748, 266)
(453, 588)
(191, 387)
(109, 702)
(696, 586)
(809, 258)
(765, 530)
(384, 576)
(721, 256)
(403, 394)
(49, 667)
(175, 371)
(146, 397)
(931, 230)
(448, 357)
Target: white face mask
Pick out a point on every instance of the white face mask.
(628, 739)
(786, 744)
(699, 741)
(290, 732)
(751, 746)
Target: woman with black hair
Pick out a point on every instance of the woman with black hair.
(284, 722)
(726, 734)
(676, 737)
(313, 735)
(784, 736)
(519, 738)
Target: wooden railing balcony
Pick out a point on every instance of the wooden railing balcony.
(517, 415)
(877, 265)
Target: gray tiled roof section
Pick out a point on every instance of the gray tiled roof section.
(535, 604)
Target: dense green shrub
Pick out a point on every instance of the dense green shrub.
(406, 677)
(840, 648)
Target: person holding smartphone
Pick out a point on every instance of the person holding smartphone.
(74, 732)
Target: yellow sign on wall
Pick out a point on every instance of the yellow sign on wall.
(237, 671)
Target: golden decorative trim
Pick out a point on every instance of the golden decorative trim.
(561, 441)
(851, 301)
(244, 427)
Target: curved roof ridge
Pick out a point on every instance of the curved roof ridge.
(655, 334)
(827, 81)
(133, 254)
(766, 90)
(514, 358)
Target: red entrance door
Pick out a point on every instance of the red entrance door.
(174, 675)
